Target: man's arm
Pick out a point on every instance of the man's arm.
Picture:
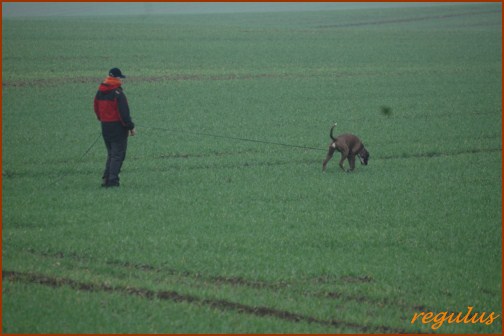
(124, 112)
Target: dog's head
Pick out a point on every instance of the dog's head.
(364, 156)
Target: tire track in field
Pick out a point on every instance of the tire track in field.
(236, 281)
(61, 81)
(438, 154)
(173, 296)
(49, 82)
(256, 284)
(11, 174)
(408, 20)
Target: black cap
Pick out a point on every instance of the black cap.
(115, 72)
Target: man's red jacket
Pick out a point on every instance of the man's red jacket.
(111, 108)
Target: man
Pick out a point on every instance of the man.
(111, 108)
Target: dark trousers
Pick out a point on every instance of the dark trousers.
(116, 153)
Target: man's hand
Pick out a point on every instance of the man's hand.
(132, 132)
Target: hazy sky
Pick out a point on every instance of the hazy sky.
(33, 9)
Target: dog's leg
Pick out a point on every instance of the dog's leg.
(344, 154)
(343, 158)
(328, 157)
(351, 160)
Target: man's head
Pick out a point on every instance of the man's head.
(115, 72)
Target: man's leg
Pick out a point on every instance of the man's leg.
(105, 176)
(117, 154)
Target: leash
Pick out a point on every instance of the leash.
(58, 179)
(235, 138)
(80, 159)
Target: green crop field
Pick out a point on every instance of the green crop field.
(224, 221)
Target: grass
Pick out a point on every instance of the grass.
(218, 235)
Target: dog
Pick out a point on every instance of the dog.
(349, 146)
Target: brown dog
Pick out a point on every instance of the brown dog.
(349, 146)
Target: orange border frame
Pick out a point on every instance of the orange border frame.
(1, 124)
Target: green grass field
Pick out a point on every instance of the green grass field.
(215, 234)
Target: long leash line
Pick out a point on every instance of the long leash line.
(62, 176)
(235, 138)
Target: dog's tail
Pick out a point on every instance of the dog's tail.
(331, 134)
